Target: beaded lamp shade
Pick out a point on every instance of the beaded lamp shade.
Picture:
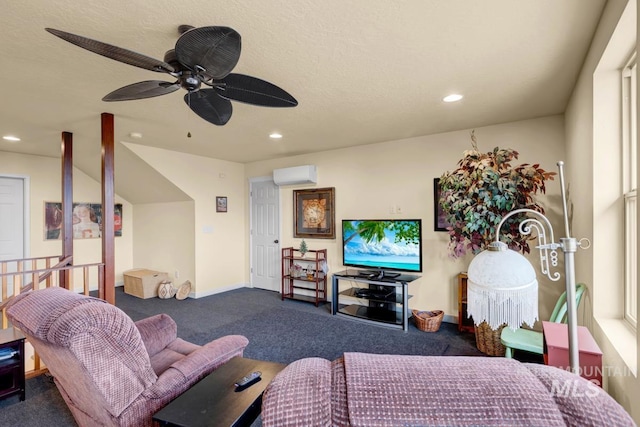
(502, 288)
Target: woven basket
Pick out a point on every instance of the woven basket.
(488, 340)
(428, 321)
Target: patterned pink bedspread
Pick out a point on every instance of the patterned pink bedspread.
(369, 390)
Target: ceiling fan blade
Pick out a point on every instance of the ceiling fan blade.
(252, 90)
(216, 50)
(210, 106)
(141, 90)
(114, 52)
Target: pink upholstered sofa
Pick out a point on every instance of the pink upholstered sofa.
(370, 390)
(110, 370)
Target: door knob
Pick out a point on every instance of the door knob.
(275, 241)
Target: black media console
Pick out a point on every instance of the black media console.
(373, 299)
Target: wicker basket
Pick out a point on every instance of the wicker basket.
(488, 340)
(428, 321)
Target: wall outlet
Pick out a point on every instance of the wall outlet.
(398, 209)
(177, 274)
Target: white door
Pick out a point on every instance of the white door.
(265, 232)
(12, 231)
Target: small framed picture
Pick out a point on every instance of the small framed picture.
(440, 220)
(221, 204)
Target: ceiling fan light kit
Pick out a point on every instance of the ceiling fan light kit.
(202, 56)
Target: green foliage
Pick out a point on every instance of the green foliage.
(406, 231)
(483, 189)
(303, 247)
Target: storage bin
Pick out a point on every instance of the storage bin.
(428, 321)
(143, 283)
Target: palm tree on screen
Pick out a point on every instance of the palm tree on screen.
(406, 231)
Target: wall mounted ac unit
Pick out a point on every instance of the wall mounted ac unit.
(296, 175)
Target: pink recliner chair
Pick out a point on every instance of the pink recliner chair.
(110, 370)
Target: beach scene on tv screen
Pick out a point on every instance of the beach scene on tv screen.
(382, 244)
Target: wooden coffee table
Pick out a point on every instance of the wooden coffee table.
(214, 401)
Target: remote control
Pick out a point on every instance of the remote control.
(248, 379)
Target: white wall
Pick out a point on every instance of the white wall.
(369, 179)
(217, 239)
(164, 240)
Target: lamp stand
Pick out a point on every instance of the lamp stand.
(548, 255)
(569, 247)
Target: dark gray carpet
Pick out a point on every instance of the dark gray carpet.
(279, 331)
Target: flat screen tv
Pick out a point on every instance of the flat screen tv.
(382, 245)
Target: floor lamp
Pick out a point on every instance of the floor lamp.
(502, 286)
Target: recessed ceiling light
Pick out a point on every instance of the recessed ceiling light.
(452, 98)
(11, 138)
(136, 135)
(275, 135)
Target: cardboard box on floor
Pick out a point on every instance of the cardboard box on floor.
(143, 283)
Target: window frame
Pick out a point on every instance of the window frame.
(629, 189)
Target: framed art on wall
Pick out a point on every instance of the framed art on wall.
(439, 220)
(314, 213)
(87, 220)
(221, 204)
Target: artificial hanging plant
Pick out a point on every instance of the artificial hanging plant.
(482, 190)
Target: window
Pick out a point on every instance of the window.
(629, 188)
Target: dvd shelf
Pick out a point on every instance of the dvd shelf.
(304, 276)
(465, 323)
(12, 379)
(382, 301)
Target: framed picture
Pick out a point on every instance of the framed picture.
(314, 213)
(221, 204)
(439, 220)
(87, 220)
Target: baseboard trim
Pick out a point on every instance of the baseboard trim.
(217, 290)
(450, 319)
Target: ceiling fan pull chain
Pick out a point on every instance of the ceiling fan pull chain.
(188, 115)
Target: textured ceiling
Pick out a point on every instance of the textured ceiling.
(363, 71)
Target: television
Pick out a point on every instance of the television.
(382, 246)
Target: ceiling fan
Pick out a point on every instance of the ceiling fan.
(202, 56)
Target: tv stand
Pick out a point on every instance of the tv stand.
(382, 299)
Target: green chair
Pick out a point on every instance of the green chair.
(530, 340)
